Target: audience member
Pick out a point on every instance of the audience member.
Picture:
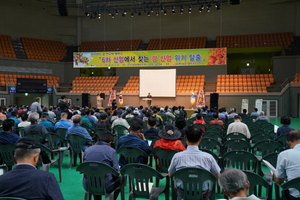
(2, 116)
(254, 113)
(7, 135)
(45, 122)
(262, 117)
(79, 130)
(288, 164)
(223, 114)
(163, 115)
(34, 126)
(135, 139)
(15, 116)
(136, 118)
(180, 124)
(196, 111)
(102, 124)
(84, 120)
(193, 157)
(64, 104)
(199, 120)
(238, 126)
(120, 121)
(169, 139)
(63, 122)
(152, 131)
(36, 106)
(90, 117)
(244, 114)
(25, 122)
(234, 185)
(25, 181)
(104, 153)
(216, 120)
(285, 121)
(232, 113)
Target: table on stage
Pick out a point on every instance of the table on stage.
(148, 101)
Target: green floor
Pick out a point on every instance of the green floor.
(71, 186)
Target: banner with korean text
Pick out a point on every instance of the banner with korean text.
(155, 58)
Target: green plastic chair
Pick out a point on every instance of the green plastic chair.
(38, 136)
(132, 154)
(211, 144)
(75, 141)
(61, 132)
(259, 186)
(272, 159)
(294, 183)
(242, 160)
(139, 177)
(214, 135)
(120, 130)
(21, 131)
(213, 126)
(266, 147)
(192, 183)
(3, 169)
(236, 145)
(260, 137)
(11, 198)
(190, 121)
(7, 154)
(282, 140)
(163, 159)
(95, 173)
(235, 135)
(201, 126)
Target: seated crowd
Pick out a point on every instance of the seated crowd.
(168, 128)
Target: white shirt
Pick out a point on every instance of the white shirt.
(240, 127)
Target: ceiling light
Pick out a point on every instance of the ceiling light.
(157, 13)
(132, 14)
(112, 16)
(165, 12)
(117, 12)
(148, 14)
(87, 14)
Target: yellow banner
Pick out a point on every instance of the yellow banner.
(159, 58)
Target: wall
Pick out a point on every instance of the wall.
(210, 71)
(285, 66)
(250, 17)
(34, 19)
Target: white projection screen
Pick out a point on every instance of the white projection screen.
(159, 82)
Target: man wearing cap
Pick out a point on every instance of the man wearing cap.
(25, 181)
(136, 118)
(45, 122)
(34, 126)
(135, 139)
(239, 127)
(64, 104)
(169, 139)
(36, 106)
(7, 135)
(163, 114)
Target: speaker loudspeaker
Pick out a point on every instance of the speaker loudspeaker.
(62, 7)
(214, 100)
(85, 98)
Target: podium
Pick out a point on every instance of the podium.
(148, 100)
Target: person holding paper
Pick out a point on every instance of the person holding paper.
(288, 164)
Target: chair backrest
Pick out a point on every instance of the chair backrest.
(38, 136)
(7, 154)
(218, 126)
(55, 141)
(266, 147)
(256, 184)
(236, 145)
(282, 140)
(99, 131)
(120, 130)
(11, 198)
(131, 154)
(259, 137)
(61, 132)
(212, 145)
(95, 173)
(76, 141)
(235, 135)
(139, 178)
(21, 131)
(240, 160)
(192, 182)
(294, 183)
(214, 135)
(163, 159)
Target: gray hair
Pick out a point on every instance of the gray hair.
(21, 153)
(33, 117)
(233, 180)
(262, 113)
(63, 114)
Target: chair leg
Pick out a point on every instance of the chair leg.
(60, 157)
(71, 159)
(87, 196)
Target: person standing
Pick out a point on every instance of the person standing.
(64, 104)
(36, 106)
(149, 101)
